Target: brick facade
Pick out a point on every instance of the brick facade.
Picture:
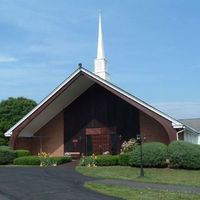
(152, 130)
(32, 144)
(53, 133)
(51, 140)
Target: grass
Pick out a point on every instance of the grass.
(169, 176)
(139, 194)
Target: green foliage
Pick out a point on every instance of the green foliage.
(22, 152)
(184, 155)
(124, 159)
(11, 111)
(27, 160)
(61, 159)
(36, 160)
(107, 160)
(154, 155)
(89, 161)
(6, 155)
(3, 147)
(3, 139)
(100, 160)
(45, 159)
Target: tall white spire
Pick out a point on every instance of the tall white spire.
(100, 47)
(100, 63)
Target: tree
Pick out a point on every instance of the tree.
(11, 111)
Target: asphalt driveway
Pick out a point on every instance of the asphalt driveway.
(24, 183)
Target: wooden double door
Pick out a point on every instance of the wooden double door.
(100, 140)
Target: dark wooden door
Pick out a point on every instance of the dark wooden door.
(99, 140)
(100, 143)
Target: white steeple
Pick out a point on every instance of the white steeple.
(100, 63)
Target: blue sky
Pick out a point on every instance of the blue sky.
(152, 48)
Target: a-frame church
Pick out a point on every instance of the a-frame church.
(88, 114)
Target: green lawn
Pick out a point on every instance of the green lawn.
(170, 176)
(137, 194)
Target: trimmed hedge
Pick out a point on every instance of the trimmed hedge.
(3, 147)
(6, 155)
(61, 160)
(100, 160)
(107, 160)
(27, 160)
(154, 155)
(124, 159)
(35, 160)
(22, 153)
(184, 155)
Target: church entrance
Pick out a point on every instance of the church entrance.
(101, 140)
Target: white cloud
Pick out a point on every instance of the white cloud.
(4, 59)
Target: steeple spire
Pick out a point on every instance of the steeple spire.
(100, 47)
(100, 63)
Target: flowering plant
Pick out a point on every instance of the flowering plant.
(128, 146)
(89, 161)
(45, 160)
(106, 153)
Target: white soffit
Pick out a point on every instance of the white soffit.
(80, 85)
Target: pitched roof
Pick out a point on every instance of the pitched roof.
(193, 123)
(69, 90)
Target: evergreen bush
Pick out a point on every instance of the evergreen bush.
(124, 159)
(27, 160)
(22, 152)
(6, 155)
(154, 155)
(62, 159)
(3, 147)
(36, 160)
(107, 160)
(184, 155)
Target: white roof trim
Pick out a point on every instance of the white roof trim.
(9, 132)
(175, 123)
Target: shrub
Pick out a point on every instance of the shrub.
(6, 155)
(45, 159)
(101, 160)
(89, 161)
(184, 155)
(27, 160)
(154, 155)
(107, 160)
(36, 160)
(61, 160)
(22, 153)
(4, 148)
(124, 159)
(128, 146)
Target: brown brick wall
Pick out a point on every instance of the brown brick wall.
(52, 140)
(152, 130)
(53, 136)
(31, 144)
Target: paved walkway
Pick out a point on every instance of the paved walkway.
(153, 186)
(63, 182)
(51, 183)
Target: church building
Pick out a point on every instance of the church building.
(88, 114)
